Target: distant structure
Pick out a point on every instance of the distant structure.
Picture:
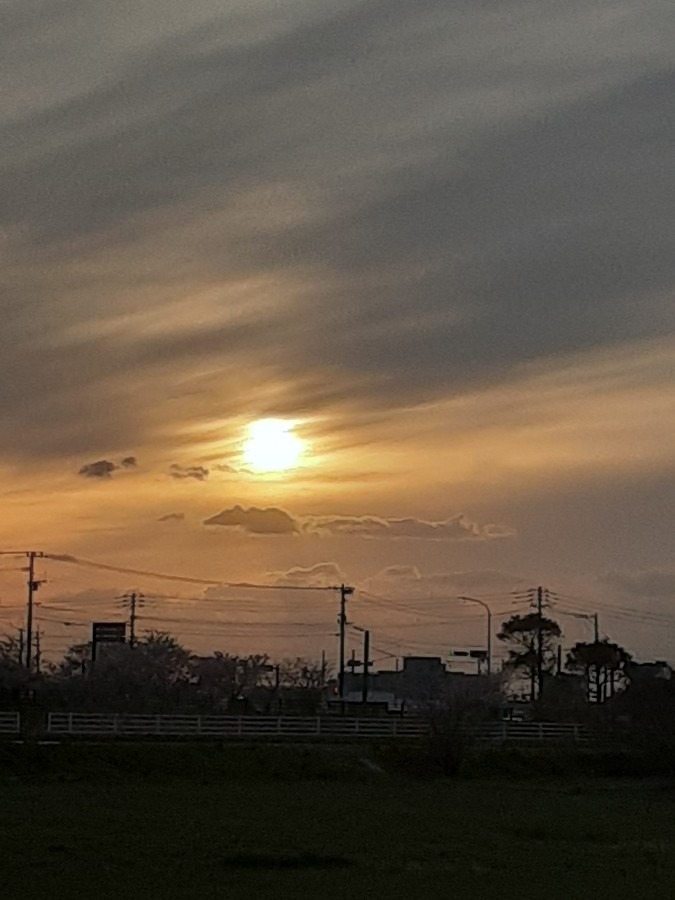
(423, 682)
(646, 671)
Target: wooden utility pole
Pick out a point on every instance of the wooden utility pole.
(133, 600)
(540, 641)
(38, 651)
(345, 592)
(33, 585)
(366, 665)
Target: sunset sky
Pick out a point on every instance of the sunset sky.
(434, 240)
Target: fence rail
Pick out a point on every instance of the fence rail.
(260, 727)
(10, 723)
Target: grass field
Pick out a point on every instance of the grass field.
(246, 832)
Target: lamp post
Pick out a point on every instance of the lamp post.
(489, 627)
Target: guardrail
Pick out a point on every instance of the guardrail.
(261, 727)
(10, 723)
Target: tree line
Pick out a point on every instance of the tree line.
(159, 675)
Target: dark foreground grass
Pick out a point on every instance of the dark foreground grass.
(233, 830)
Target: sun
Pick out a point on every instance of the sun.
(271, 446)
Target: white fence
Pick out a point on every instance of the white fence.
(258, 727)
(230, 726)
(524, 732)
(10, 723)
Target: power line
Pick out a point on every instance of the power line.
(211, 582)
(383, 602)
(611, 607)
(653, 618)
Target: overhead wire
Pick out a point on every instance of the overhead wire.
(635, 615)
(211, 582)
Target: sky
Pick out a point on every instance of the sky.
(434, 239)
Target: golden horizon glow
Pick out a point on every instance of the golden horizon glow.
(271, 446)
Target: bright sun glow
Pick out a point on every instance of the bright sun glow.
(271, 446)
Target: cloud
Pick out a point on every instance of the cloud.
(198, 473)
(102, 468)
(255, 521)
(325, 574)
(172, 517)
(655, 584)
(232, 470)
(456, 528)
(410, 581)
(278, 521)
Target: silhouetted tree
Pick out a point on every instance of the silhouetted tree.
(532, 640)
(303, 673)
(150, 677)
(12, 674)
(10, 653)
(601, 662)
(76, 660)
(221, 680)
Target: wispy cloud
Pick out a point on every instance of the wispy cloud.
(408, 162)
(172, 517)
(198, 473)
(278, 521)
(325, 574)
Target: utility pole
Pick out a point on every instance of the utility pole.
(21, 646)
(133, 600)
(596, 627)
(33, 585)
(38, 651)
(366, 665)
(345, 592)
(540, 642)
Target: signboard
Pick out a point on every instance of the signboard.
(108, 632)
(468, 654)
(478, 656)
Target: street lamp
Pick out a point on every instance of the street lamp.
(489, 627)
